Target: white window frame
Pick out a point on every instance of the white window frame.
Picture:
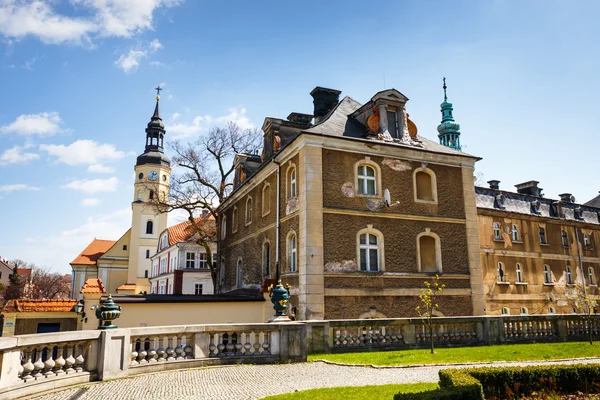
(591, 276)
(438, 250)
(292, 251)
(202, 260)
(358, 176)
(433, 185)
(505, 311)
(547, 271)
(497, 231)
(266, 200)
(364, 189)
(369, 230)
(196, 285)
(569, 275)
(524, 311)
(515, 233)
(191, 261)
(224, 227)
(500, 266)
(292, 181)
(586, 240)
(519, 273)
(249, 211)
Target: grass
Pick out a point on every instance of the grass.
(507, 352)
(356, 393)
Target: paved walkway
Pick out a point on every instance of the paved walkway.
(245, 382)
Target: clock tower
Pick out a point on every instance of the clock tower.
(152, 173)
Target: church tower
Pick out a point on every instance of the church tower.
(152, 173)
(449, 130)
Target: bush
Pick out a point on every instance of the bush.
(511, 382)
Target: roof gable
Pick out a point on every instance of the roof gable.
(390, 95)
(116, 250)
(93, 251)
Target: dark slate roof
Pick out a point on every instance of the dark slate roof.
(338, 123)
(521, 204)
(595, 202)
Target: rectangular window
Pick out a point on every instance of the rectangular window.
(124, 247)
(392, 123)
(190, 260)
(543, 236)
(203, 257)
(198, 289)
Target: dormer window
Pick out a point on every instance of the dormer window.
(578, 213)
(535, 207)
(392, 121)
(499, 201)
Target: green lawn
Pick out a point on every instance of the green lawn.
(356, 393)
(508, 352)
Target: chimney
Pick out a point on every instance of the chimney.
(529, 188)
(299, 118)
(494, 184)
(566, 197)
(204, 213)
(324, 101)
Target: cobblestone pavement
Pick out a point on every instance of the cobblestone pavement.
(246, 382)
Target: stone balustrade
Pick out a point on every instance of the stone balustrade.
(36, 363)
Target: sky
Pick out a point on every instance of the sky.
(77, 82)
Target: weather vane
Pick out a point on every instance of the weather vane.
(445, 97)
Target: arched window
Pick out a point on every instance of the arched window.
(223, 227)
(151, 195)
(519, 273)
(292, 244)
(565, 238)
(586, 240)
(367, 180)
(497, 231)
(505, 311)
(292, 188)
(569, 276)
(234, 220)
(547, 274)
(249, 210)
(266, 259)
(240, 274)
(369, 246)
(543, 235)
(424, 185)
(147, 253)
(501, 272)
(266, 199)
(515, 233)
(429, 253)
(149, 227)
(591, 276)
(551, 310)
(524, 311)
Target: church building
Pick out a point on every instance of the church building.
(124, 265)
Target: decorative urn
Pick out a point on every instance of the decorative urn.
(107, 313)
(279, 297)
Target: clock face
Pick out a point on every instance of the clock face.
(153, 176)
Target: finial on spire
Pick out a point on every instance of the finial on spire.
(445, 87)
(158, 89)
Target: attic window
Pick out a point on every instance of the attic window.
(499, 201)
(535, 207)
(392, 121)
(556, 209)
(578, 213)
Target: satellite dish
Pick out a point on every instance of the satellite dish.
(386, 197)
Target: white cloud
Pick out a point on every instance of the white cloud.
(155, 45)
(29, 63)
(158, 64)
(175, 116)
(131, 61)
(101, 169)
(43, 124)
(19, 187)
(16, 156)
(84, 152)
(94, 18)
(93, 185)
(202, 123)
(91, 202)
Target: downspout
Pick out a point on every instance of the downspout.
(580, 260)
(277, 218)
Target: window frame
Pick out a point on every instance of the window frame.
(189, 261)
(497, 227)
(367, 162)
(249, 211)
(524, 311)
(547, 274)
(505, 309)
(369, 230)
(569, 274)
(292, 252)
(266, 258)
(266, 210)
(438, 251)
(235, 217)
(586, 241)
(514, 233)
(239, 273)
(542, 233)
(291, 185)
(150, 224)
(564, 238)
(224, 227)
(519, 273)
(196, 289)
(591, 276)
(364, 179)
(500, 267)
(433, 177)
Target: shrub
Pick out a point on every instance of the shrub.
(455, 384)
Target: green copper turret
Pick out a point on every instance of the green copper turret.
(449, 130)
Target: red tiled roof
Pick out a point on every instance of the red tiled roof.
(94, 251)
(184, 231)
(27, 305)
(93, 286)
(24, 271)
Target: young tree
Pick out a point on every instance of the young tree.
(202, 180)
(428, 298)
(586, 305)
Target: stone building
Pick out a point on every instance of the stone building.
(535, 250)
(355, 209)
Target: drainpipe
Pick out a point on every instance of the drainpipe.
(277, 217)
(580, 260)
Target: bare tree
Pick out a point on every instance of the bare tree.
(46, 284)
(202, 180)
(586, 305)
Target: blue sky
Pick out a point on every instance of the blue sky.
(77, 79)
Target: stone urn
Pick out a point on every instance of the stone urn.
(107, 313)
(279, 297)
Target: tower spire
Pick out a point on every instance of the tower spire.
(155, 134)
(449, 130)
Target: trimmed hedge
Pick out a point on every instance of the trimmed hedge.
(511, 382)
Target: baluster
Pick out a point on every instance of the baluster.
(80, 359)
(230, 346)
(188, 350)
(211, 347)
(28, 366)
(247, 345)
(179, 349)
(59, 363)
(170, 350)
(266, 345)
(222, 345)
(160, 352)
(238, 344)
(70, 360)
(38, 366)
(49, 363)
(355, 337)
(142, 356)
(152, 351)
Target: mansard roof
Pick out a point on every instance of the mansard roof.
(518, 203)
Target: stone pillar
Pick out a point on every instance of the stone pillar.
(403, 124)
(10, 323)
(311, 298)
(9, 362)
(115, 354)
(473, 246)
(317, 337)
(292, 342)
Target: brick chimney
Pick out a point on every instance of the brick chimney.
(495, 185)
(324, 100)
(565, 197)
(530, 188)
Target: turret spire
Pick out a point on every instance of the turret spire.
(155, 133)
(449, 130)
